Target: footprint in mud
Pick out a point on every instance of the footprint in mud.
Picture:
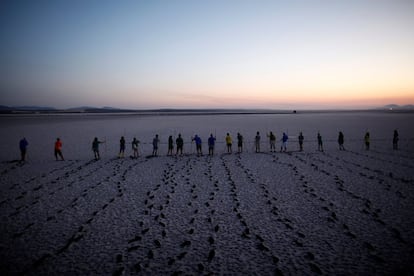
(262, 247)
(397, 235)
(171, 261)
(350, 234)
(288, 226)
(181, 255)
(157, 243)
(301, 235)
(309, 256)
(298, 243)
(186, 243)
(246, 233)
(211, 255)
(314, 268)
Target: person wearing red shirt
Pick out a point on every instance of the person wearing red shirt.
(58, 149)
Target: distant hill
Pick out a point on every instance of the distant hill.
(26, 109)
(91, 109)
(398, 107)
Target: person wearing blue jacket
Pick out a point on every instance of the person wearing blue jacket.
(198, 142)
(284, 142)
(211, 143)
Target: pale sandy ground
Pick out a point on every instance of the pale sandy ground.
(297, 213)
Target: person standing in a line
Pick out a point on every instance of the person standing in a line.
(301, 138)
(155, 143)
(284, 142)
(228, 143)
(395, 140)
(367, 140)
(95, 148)
(58, 149)
(257, 141)
(23, 149)
(135, 143)
(170, 146)
(239, 143)
(198, 143)
(341, 141)
(320, 144)
(180, 144)
(272, 141)
(211, 143)
(121, 147)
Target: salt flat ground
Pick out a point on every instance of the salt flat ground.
(332, 212)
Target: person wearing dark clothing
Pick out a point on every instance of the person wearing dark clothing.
(95, 148)
(170, 146)
(301, 138)
(320, 144)
(257, 142)
(155, 143)
(121, 147)
(341, 141)
(58, 149)
(198, 142)
(239, 143)
(395, 140)
(180, 144)
(211, 143)
(367, 141)
(272, 141)
(23, 149)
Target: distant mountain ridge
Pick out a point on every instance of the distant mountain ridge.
(32, 108)
(399, 107)
(107, 109)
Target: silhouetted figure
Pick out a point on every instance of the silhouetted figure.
(284, 142)
(180, 144)
(58, 149)
(367, 141)
(239, 143)
(395, 140)
(170, 146)
(272, 142)
(23, 149)
(320, 144)
(95, 148)
(121, 147)
(198, 142)
(155, 143)
(211, 142)
(301, 138)
(257, 141)
(341, 141)
(228, 143)
(135, 144)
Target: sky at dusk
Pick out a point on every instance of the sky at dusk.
(207, 54)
